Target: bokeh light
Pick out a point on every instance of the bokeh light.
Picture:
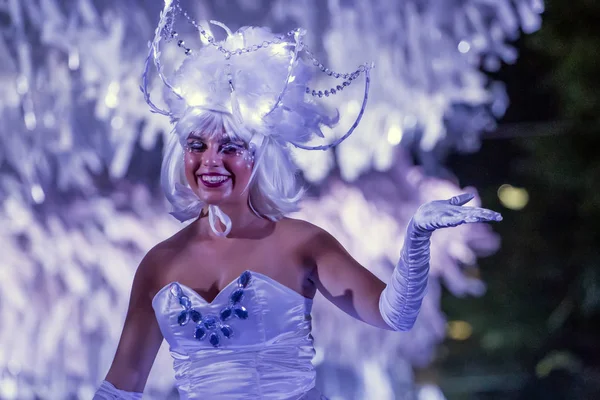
(513, 198)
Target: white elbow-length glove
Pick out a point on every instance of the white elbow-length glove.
(401, 300)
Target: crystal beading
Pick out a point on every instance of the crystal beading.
(297, 47)
(265, 44)
(212, 326)
(211, 40)
(333, 90)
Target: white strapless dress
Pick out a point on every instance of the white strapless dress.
(253, 341)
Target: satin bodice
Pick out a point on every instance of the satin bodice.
(253, 341)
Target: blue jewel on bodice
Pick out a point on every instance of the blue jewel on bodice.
(213, 326)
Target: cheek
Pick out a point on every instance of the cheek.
(248, 159)
(188, 158)
(243, 160)
(190, 163)
(242, 168)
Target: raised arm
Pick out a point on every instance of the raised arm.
(140, 340)
(356, 291)
(343, 281)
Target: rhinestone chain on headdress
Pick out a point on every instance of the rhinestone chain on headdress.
(348, 77)
(164, 30)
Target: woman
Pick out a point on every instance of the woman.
(232, 291)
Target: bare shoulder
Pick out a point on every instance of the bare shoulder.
(157, 256)
(156, 263)
(296, 227)
(309, 236)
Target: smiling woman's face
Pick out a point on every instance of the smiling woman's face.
(218, 168)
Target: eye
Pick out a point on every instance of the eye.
(231, 148)
(195, 145)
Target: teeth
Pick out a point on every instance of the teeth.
(214, 179)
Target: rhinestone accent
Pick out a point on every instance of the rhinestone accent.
(185, 302)
(227, 331)
(211, 325)
(236, 296)
(214, 339)
(176, 290)
(199, 333)
(244, 279)
(240, 312)
(226, 313)
(210, 322)
(183, 318)
(195, 316)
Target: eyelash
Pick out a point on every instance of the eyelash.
(227, 148)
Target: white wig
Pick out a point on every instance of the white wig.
(273, 187)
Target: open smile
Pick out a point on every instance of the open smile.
(214, 180)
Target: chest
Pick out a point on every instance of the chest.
(209, 268)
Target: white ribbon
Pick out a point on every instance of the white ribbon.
(193, 208)
(214, 213)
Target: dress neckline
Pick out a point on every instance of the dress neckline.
(254, 275)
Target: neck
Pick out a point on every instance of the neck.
(242, 219)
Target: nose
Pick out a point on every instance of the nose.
(211, 157)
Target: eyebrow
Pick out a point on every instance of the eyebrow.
(226, 139)
(194, 135)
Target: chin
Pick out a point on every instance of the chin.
(215, 199)
(223, 200)
(212, 199)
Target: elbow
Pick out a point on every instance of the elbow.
(402, 325)
(398, 316)
(399, 324)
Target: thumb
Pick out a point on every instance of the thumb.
(461, 199)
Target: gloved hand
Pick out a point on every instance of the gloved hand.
(447, 213)
(401, 300)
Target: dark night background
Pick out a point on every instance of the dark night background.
(536, 333)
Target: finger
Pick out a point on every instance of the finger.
(461, 199)
(477, 214)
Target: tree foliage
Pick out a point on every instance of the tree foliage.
(534, 333)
